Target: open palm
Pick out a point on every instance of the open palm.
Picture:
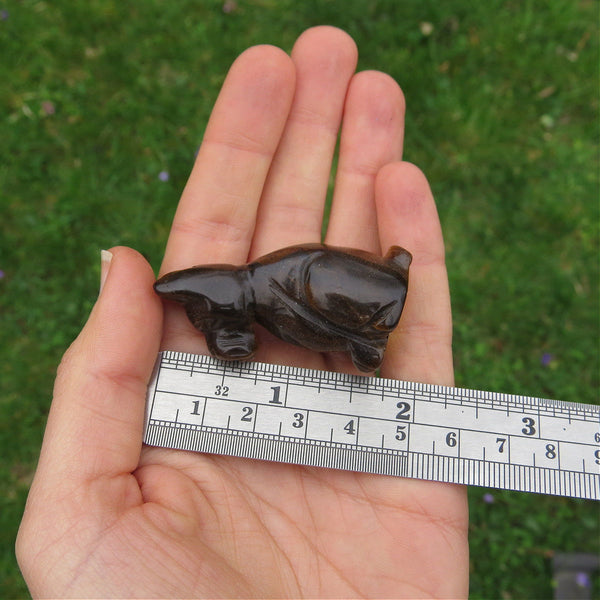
(108, 517)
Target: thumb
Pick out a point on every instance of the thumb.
(95, 424)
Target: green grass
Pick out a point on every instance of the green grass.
(97, 98)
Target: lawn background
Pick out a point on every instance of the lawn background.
(103, 106)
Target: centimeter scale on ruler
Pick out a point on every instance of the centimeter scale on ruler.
(374, 425)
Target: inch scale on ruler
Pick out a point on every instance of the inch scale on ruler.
(374, 425)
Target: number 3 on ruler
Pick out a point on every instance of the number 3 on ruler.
(529, 428)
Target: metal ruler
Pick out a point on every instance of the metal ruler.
(374, 425)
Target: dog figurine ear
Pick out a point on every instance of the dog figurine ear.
(399, 257)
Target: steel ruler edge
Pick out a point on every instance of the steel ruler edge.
(373, 425)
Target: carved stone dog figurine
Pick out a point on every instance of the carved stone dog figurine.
(320, 297)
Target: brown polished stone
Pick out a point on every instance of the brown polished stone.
(320, 297)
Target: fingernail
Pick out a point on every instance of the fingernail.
(105, 258)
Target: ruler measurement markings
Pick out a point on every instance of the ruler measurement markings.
(550, 432)
(430, 424)
(442, 427)
(521, 469)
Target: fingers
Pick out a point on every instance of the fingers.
(216, 217)
(420, 349)
(96, 418)
(217, 211)
(291, 209)
(372, 136)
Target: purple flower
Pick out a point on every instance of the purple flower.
(546, 359)
(164, 176)
(582, 579)
(488, 498)
(229, 6)
(4, 14)
(48, 107)
(1, 274)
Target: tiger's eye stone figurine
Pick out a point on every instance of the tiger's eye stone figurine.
(320, 297)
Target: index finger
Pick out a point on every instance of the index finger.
(215, 217)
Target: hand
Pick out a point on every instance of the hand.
(108, 517)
